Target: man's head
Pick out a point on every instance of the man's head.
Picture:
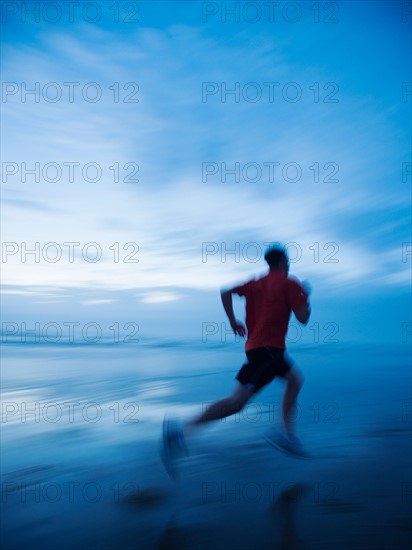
(277, 258)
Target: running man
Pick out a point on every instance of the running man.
(269, 303)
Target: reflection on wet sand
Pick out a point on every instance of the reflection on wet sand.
(85, 479)
(284, 512)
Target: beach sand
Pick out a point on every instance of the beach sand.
(81, 467)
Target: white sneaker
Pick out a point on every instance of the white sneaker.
(173, 446)
(288, 444)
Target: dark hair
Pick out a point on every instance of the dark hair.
(274, 255)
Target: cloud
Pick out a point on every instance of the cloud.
(102, 301)
(21, 204)
(159, 297)
(164, 219)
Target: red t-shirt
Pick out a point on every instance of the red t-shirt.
(269, 303)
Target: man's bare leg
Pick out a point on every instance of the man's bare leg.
(222, 408)
(294, 381)
(174, 446)
(286, 441)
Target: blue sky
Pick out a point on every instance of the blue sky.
(362, 220)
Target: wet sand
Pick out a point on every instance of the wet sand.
(83, 469)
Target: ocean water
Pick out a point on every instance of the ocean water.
(80, 462)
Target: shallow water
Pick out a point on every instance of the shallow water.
(80, 463)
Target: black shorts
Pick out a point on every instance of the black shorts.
(262, 367)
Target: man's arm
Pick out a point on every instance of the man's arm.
(237, 326)
(302, 313)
